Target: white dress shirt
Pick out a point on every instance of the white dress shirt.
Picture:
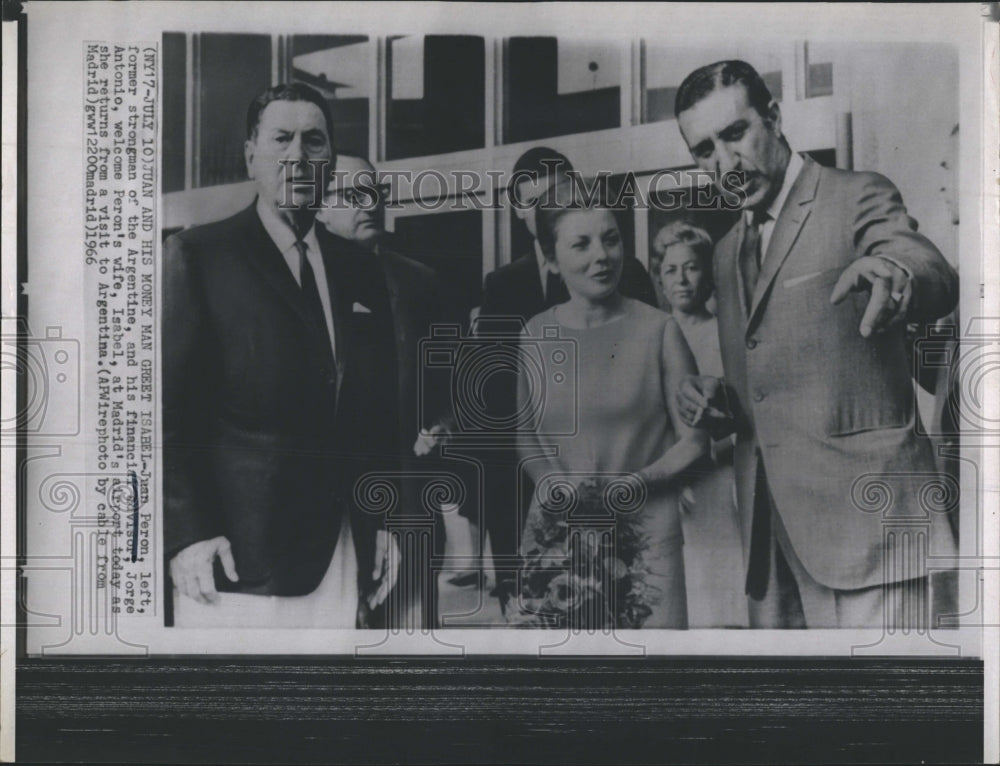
(795, 165)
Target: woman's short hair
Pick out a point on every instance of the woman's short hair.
(682, 233)
(560, 198)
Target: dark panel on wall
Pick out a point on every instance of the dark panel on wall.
(451, 116)
(174, 87)
(223, 99)
(536, 110)
(454, 93)
(450, 243)
(531, 85)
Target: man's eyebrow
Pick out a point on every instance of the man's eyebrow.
(733, 127)
(703, 146)
(291, 131)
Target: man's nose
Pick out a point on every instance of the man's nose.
(297, 149)
(726, 160)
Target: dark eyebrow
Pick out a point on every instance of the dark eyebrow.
(704, 147)
(736, 127)
(310, 132)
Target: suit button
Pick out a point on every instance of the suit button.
(758, 395)
(751, 343)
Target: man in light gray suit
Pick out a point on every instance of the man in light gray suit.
(815, 283)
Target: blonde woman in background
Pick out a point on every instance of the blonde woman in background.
(713, 554)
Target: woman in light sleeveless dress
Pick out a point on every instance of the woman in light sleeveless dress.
(713, 551)
(602, 544)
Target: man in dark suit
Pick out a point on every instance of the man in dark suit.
(354, 212)
(815, 283)
(278, 393)
(512, 294)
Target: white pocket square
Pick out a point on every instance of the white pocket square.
(361, 309)
(799, 280)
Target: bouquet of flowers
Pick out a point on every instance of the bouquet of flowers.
(584, 568)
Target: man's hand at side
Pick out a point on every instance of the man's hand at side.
(429, 438)
(191, 568)
(386, 569)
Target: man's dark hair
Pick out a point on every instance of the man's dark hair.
(707, 79)
(535, 164)
(287, 91)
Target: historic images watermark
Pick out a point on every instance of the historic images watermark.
(433, 190)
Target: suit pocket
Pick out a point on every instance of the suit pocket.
(857, 417)
(866, 381)
(813, 278)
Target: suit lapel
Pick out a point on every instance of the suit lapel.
(267, 260)
(793, 215)
(263, 255)
(534, 298)
(365, 329)
(396, 297)
(341, 302)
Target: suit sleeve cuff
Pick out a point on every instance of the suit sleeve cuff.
(898, 264)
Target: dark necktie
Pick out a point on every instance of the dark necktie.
(310, 292)
(750, 254)
(555, 290)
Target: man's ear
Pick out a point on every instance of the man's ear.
(248, 149)
(774, 117)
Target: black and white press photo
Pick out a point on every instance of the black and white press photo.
(555, 383)
(480, 382)
(430, 336)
